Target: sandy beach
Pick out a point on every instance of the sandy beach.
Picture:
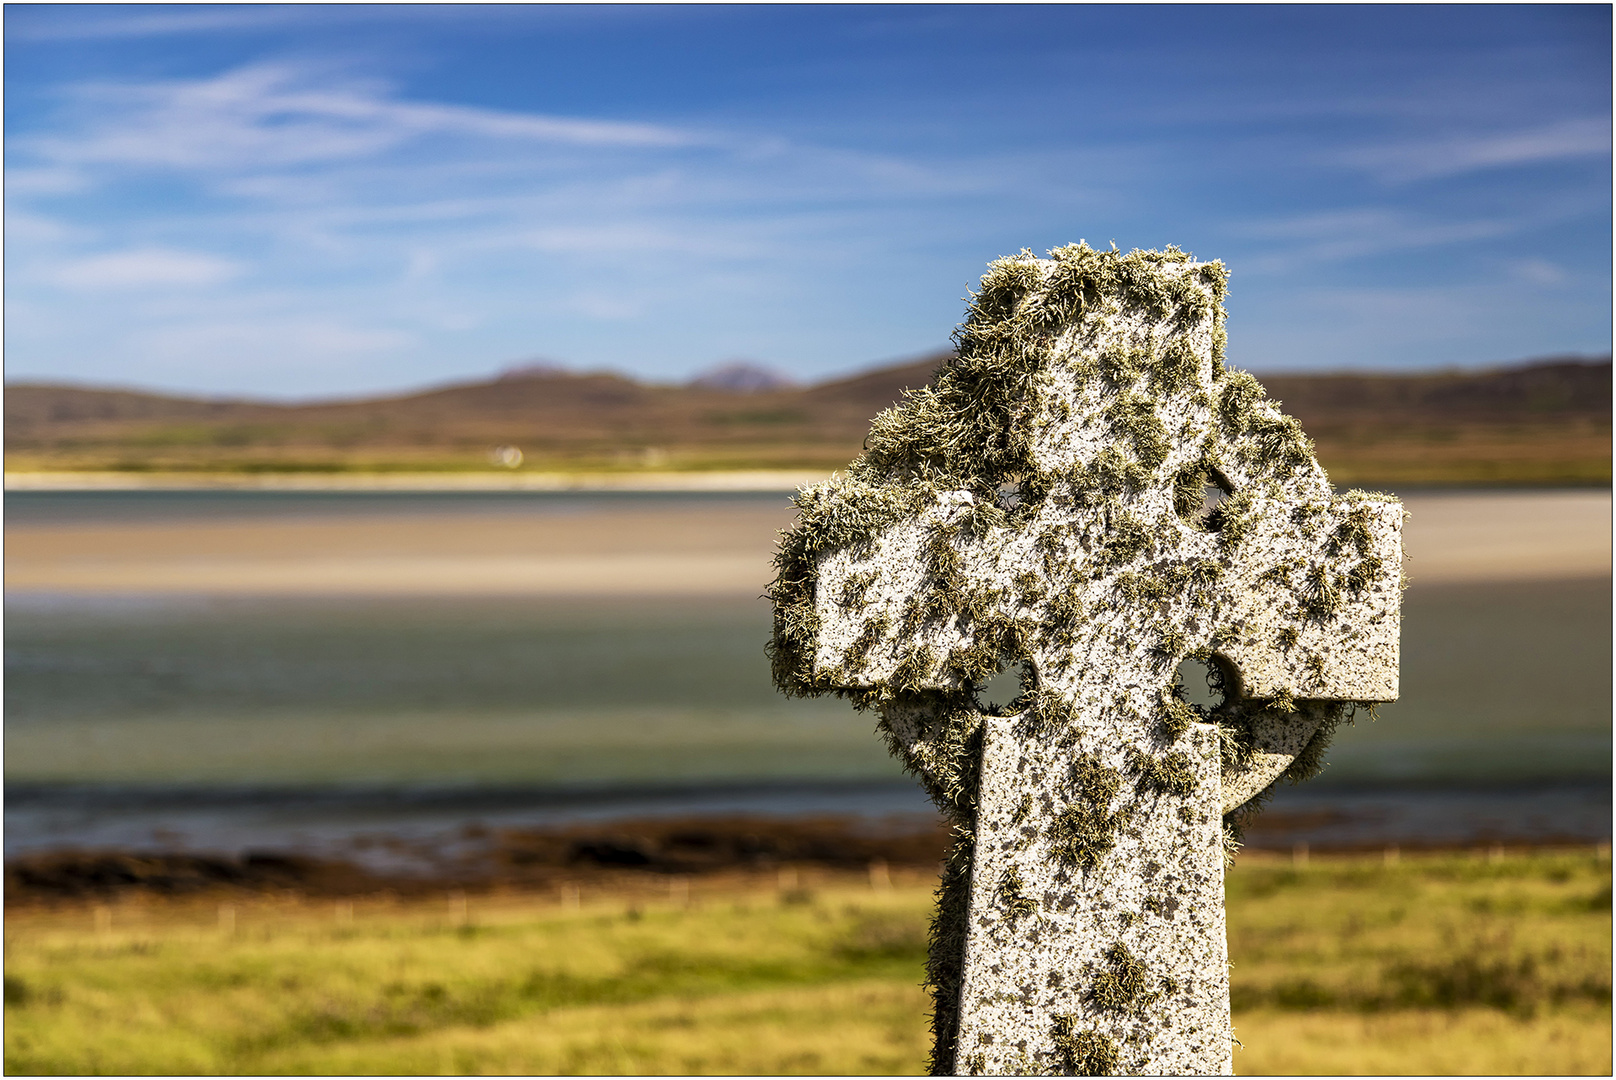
(1507, 536)
(701, 550)
(785, 480)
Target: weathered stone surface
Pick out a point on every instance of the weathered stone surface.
(1088, 495)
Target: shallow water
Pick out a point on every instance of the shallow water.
(207, 718)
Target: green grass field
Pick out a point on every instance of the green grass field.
(1432, 964)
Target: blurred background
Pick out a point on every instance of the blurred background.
(402, 404)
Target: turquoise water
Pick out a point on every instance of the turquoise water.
(1503, 684)
(452, 691)
(1500, 682)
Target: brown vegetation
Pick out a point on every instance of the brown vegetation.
(634, 854)
(622, 853)
(1543, 422)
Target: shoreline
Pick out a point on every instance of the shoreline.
(760, 480)
(630, 549)
(198, 843)
(624, 856)
(721, 480)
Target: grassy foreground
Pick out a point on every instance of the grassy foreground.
(1430, 964)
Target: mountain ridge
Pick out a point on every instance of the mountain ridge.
(873, 375)
(1546, 420)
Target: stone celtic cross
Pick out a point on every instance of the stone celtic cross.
(1086, 495)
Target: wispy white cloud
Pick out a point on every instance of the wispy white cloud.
(22, 181)
(1359, 232)
(28, 230)
(423, 219)
(303, 226)
(296, 158)
(1539, 271)
(89, 23)
(1285, 245)
(311, 341)
(1337, 327)
(1426, 159)
(93, 22)
(339, 166)
(146, 268)
(273, 116)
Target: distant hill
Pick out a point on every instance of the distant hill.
(1545, 421)
(742, 376)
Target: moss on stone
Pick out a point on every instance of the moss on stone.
(1086, 830)
(1352, 531)
(1321, 595)
(1174, 369)
(1064, 609)
(1234, 519)
(1173, 772)
(914, 670)
(1177, 714)
(1136, 421)
(855, 589)
(1171, 642)
(945, 956)
(1189, 491)
(1238, 395)
(1050, 712)
(947, 758)
(1012, 897)
(1123, 985)
(1129, 539)
(875, 629)
(833, 516)
(1359, 577)
(1083, 1051)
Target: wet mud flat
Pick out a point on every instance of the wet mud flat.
(1562, 813)
(654, 853)
(621, 856)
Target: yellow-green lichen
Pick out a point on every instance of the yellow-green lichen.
(1012, 897)
(1172, 773)
(1122, 985)
(1083, 1051)
(1086, 830)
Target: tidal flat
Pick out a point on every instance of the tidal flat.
(218, 672)
(1443, 963)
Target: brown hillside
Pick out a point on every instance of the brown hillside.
(1546, 388)
(1541, 422)
(39, 408)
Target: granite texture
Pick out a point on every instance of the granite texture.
(1087, 495)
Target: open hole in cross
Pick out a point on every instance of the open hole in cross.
(1206, 684)
(1004, 694)
(1008, 494)
(1199, 496)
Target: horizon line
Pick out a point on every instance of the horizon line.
(560, 370)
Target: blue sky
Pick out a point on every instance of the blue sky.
(306, 201)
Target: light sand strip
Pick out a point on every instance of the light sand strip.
(1513, 536)
(605, 575)
(745, 480)
(670, 550)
